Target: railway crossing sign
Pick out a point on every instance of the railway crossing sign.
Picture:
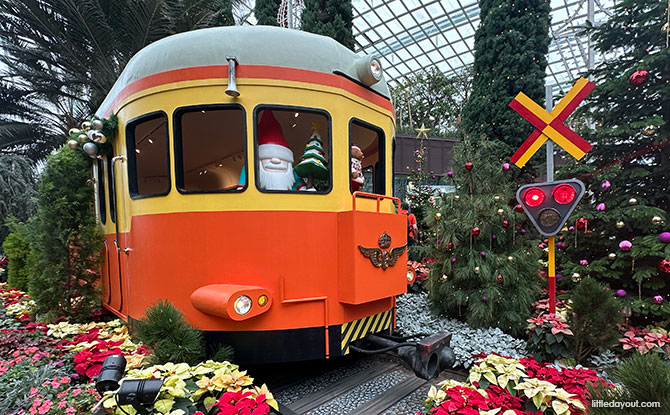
(550, 125)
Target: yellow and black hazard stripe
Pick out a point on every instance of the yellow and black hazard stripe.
(358, 329)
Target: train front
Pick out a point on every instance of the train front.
(250, 186)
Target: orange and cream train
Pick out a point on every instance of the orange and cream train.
(188, 216)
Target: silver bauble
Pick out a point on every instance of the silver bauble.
(612, 256)
(656, 220)
(476, 270)
(86, 125)
(620, 224)
(91, 149)
(632, 201)
(576, 277)
(510, 259)
(73, 144)
(96, 124)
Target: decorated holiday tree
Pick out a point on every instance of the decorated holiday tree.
(313, 164)
(419, 192)
(617, 235)
(486, 269)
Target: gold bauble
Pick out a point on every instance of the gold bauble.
(612, 256)
(649, 130)
(438, 215)
(620, 224)
(476, 270)
(656, 220)
(86, 125)
(82, 138)
(500, 212)
(73, 144)
(98, 137)
(496, 199)
(96, 124)
(632, 201)
(510, 259)
(576, 277)
(457, 198)
(444, 277)
(73, 131)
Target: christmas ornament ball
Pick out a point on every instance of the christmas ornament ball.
(438, 215)
(664, 266)
(483, 254)
(73, 144)
(96, 124)
(494, 237)
(632, 201)
(656, 220)
(658, 299)
(496, 199)
(450, 173)
(649, 130)
(518, 208)
(606, 185)
(476, 270)
(453, 260)
(450, 246)
(621, 293)
(637, 78)
(457, 198)
(620, 224)
(510, 259)
(86, 125)
(576, 277)
(500, 278)
(664, 238)
(505, 166)
(612, 256)
(468, 166)
(82, 138)
(475, 231)
(91, 149)
(505, 223)
(625, 245)
(99, 137)
(484, 298)
(500, 212)
(73, 131)
(601, 207)
(444, 277)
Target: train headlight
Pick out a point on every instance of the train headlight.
(242, 305)
(369, 70)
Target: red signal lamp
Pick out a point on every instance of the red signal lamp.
(564, 194)
(534, 197)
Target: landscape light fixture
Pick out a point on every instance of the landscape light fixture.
(111, 373)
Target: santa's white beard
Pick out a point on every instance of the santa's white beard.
(276, 180)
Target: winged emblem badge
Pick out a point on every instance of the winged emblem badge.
(382, 257)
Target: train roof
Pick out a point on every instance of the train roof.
(252, 45)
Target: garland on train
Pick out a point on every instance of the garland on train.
(95, 136)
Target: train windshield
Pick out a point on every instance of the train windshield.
(367, 154)
(293, 149)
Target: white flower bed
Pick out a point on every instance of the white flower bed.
(414, 317)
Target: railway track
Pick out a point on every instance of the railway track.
(361, 385)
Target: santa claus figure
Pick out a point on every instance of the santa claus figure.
(275, 158)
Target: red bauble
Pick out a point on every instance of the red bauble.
(518, 226)
(500, 278)
(664, 266)
(450, 246)
(638, 77)
(468, 166)
(582, 223)
(518, 208)
(505, 223)
(475, 231)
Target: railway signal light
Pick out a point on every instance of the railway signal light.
(548, 205)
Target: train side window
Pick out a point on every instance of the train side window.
(370, 140)
(210, 148)
(148, 156)
(100, 173)
(110, 188)
(293, 148)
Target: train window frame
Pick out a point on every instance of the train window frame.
(109, 165)
(100, 181)
(178, 156)
(132, 160)
(382, 152)
(260, 107)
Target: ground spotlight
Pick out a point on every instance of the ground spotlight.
(138, 393)
(110, 373)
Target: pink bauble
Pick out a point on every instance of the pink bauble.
(638, 77)
(625, 245)
(600, 207)
(505, 166)
(658, 299)
(664, 266)
(606, 185)
(621, 293)
(664, 238)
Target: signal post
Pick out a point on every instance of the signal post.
(549, 204)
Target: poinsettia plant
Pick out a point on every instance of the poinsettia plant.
(549, 334)
(644, 340)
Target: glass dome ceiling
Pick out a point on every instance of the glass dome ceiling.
(410, 35)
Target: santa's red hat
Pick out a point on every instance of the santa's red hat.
(271, 141)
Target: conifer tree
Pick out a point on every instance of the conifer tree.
(66, 240)
(333, 18)
(266, 12)
(510, 47)
(629, 170)
(17, 190)
(486, 270)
